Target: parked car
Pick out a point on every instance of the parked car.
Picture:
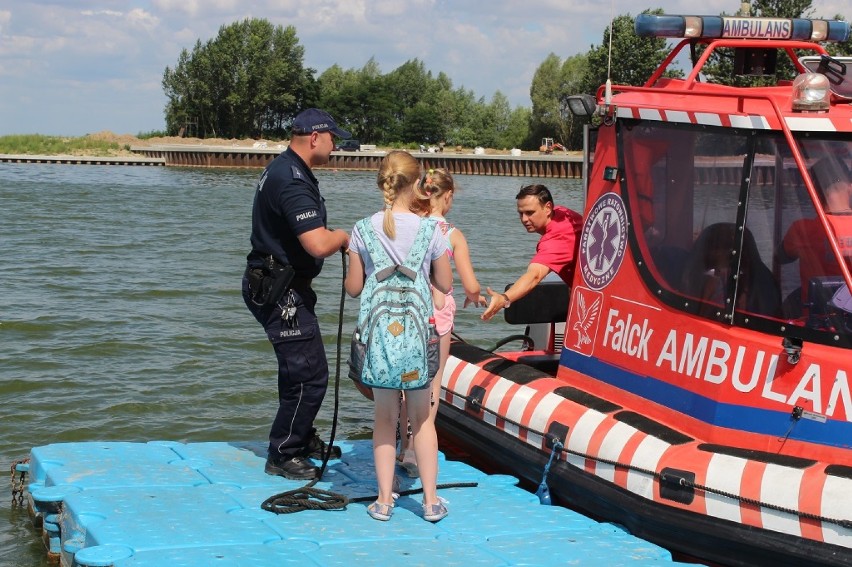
(350, 145)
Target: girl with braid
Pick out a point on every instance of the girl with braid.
(396, 227)
(438, 185)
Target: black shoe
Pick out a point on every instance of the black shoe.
(317, 448)
(295, 468)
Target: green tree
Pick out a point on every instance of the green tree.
(517, 134)
(545, 91)
(409, 104)
(376, 108)
(339, 97)
(409, 83)
(499, 113)
(248, 81)
(421, 123)
(460, 119)
(781, 8)
(553, 82)
(630, 60)
(442, 98)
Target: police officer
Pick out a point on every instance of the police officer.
(289, 239)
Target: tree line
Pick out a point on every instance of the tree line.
(250, 81)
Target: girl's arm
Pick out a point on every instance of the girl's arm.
(461, 258)
(354, 281)
(442, 273)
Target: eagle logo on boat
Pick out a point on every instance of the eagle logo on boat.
(588, 316)
(584, 319)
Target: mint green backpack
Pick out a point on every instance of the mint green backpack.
(395, 344)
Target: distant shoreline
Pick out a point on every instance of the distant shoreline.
(258, 156)
(125, 141)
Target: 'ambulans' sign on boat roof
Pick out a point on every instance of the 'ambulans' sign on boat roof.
(756, 28)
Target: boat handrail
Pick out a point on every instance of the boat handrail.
(713, 44)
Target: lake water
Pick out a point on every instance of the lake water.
(121, 316)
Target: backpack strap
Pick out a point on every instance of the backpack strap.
(377, 252)
(417, 254)
(382, 261)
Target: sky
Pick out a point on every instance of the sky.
(74, 67)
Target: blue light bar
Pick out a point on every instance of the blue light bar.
(735, 27)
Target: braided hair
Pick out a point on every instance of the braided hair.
(397, 179)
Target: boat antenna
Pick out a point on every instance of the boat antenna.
(608, 84)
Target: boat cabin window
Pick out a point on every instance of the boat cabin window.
(727, 229)
(811, 277)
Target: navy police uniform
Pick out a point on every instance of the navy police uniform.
(288, 203)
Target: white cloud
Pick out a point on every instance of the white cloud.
(102, 13)
(140, 19)
(80, 61)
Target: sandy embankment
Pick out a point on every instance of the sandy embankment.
(125, 141)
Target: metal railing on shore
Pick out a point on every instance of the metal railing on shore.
(528, 165)
(81, 160)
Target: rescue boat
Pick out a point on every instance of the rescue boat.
(693, 383)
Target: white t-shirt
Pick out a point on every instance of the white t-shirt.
(407, 225)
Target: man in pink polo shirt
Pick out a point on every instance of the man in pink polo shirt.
(559, 228)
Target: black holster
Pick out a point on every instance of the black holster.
(270, 282)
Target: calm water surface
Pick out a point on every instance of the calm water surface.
(121, 316)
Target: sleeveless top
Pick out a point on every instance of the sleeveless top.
(446, 229)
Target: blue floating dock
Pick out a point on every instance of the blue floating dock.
(199, 505)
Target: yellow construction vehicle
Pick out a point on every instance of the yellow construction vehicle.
(548, 145)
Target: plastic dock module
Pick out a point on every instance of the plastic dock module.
(199, 504)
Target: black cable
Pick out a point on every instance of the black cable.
(318, 499)
(411, 491)
(308, 497)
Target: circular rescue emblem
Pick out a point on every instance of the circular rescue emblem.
(603, 241)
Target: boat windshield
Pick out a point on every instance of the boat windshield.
(728, 228)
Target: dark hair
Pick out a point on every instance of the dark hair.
(539, 191)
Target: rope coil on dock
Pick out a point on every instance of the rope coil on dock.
(306, 498)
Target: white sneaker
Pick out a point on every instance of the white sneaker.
(435, 512)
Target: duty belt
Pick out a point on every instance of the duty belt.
(299, 283)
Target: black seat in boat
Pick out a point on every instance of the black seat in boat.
(546, 304)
